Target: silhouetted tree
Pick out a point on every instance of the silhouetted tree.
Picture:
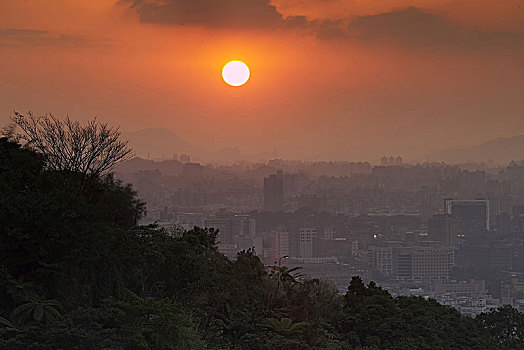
(92, 149)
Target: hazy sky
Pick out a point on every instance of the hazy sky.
(344, 79)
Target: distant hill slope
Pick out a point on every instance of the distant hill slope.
(158, 143)
(167, 167)
(501, 151)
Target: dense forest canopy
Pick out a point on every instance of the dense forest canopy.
(78, 272)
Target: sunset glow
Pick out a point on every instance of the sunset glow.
(343, 79)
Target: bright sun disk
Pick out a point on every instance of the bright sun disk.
(235, 73)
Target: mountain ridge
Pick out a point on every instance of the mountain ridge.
(158, 143)
(500, 150)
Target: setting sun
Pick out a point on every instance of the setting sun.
(235, 73)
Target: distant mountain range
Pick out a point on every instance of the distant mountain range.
(501, 151)
(166, 167)
(159, 143)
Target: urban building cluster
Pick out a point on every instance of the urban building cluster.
(435, 230)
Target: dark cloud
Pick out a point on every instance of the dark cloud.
(323, 30)
(231, 14)
(411, 26)
(294, 22)
(15, 37)
(415, 27)
(238, 14)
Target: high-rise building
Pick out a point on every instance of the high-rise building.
(391, 161)
(402, 263)
(413, 263)
(225, 227)
(279, 238)
(440, 229)
(470, 217)
(429, 263)
(329, 233)
(243, 225)
(381, 259)
(185, 158)
(307, 236)
(274, 192)
(518, 218)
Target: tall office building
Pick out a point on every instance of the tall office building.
(243, 225)
(440, 229)
(279, 239)
(274, 192)
(224, 225)
(329, 233)
(381, 259)
(430, 263)
(413, 263)
(470, 217)
(307, 236)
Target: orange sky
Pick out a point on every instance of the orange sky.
(334, 79)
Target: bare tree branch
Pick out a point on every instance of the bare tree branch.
(91, 149)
